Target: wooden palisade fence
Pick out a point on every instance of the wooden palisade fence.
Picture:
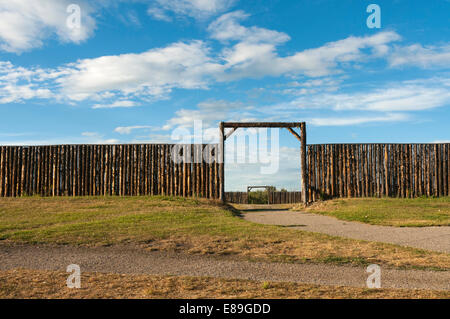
(333, 170)
(274, 197)
(285, 197)
(362, 170)
(131, 169)
(236, 197)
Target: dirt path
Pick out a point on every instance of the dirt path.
(131, 260)
(430, 238)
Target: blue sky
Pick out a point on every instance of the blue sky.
(136, 71)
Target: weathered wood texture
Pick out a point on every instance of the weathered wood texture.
(274, 197)
(236, 197)
(375, 170)
(285, 197)
(124, 170)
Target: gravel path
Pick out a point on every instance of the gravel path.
(131, 260)
(430, 238)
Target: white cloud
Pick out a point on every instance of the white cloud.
(16, 134)
(154, 138)
(313, 86)
(346, 121)
(18, 84)
(398, 96)
(198, 9)
(24, 24)
(421, 56)
(390, 102)
(116, 104)
(89, 134)
(130, 79)
(149, 74)
(255, 54)
(158, 14)
(129, 129)
(11, 93)
(86, 138)
(209, 112)
(227, 28)
(154, 73)
(97, 138)
(326, 59)
(129, 18)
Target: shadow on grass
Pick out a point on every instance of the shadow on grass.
(291, 226)
(238, 212)
(265, 209)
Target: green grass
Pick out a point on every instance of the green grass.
(191, 226)
(417, 212)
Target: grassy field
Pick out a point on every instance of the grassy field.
(52, 284)
(415, 212)
(190, 226)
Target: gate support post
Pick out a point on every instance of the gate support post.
(222, 163)
(303, 163)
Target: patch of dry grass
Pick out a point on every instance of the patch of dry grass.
(192, 226)
(52, 284)
(306, 247)
(401, 212)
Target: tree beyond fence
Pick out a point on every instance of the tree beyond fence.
(131, 169)
(397, 170)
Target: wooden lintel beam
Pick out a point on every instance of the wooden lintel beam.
(262, 124)
(294, 133)
(251, 187)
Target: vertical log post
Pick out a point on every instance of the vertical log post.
(222, 162)
(303, 162)
(386, 170)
